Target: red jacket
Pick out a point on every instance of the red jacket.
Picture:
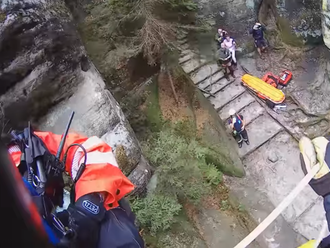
(102, 173)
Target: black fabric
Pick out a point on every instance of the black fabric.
(224, 55)
(118, 231)
(241, 136)
(260, 43)
(327, 154)
(84, 219)
(270, 104)
(273, 78)
(43, 204)
(20, 228)
(325, 243)
(32, 150)
(258, 34)
(321, 186)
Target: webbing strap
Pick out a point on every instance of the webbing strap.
(279, 209)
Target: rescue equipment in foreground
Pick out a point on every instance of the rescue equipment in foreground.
(264, 90)
(271, 79)
(285, 77)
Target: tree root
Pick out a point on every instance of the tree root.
(288, 95)
(311, 122)
(172, 86)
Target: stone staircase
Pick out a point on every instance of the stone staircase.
(271, 160)
(225, 95)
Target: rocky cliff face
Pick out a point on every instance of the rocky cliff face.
(45, 74)
(326, 22)
(302, 18)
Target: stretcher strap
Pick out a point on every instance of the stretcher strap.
(279, 209)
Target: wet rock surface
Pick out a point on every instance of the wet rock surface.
(303, 17)
(45, 74)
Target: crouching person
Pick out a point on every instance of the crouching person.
(98, 215)
(224, 60)
(237, 125)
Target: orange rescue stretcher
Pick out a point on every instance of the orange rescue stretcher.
(262, 89)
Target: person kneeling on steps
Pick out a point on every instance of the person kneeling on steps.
(237, 124)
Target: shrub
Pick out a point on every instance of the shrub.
(156, 212)
(182, 5)
(182, 168)
(212, 175)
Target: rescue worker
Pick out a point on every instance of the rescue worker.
(98, 215)
(220, 36)
(230, 44)
(313, 152)
(237, 124)
(258, 35)
(224, 60)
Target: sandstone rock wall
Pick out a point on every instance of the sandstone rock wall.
(326, 22)
(45, 74)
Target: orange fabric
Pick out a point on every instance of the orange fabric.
(16, 157)
(104, 177)
(52, 141)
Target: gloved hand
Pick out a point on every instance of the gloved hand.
(313, 152)
(309, 244)
(83, 220)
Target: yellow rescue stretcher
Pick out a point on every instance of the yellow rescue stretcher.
(262, 89)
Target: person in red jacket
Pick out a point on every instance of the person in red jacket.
(98, 214)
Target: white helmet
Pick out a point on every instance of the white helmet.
(231, 112)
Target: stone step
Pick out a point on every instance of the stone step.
(252, 112)
(204, 72)
(181, 36)
(237, 104)
(184, 47)
(188, 56)
(183, 41)
(227, 94)
(259, 131)
(211, 80)
(192, 65)
(221, 84)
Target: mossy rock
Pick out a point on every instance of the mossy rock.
(287, 35)
(2, 16)
(124, 163)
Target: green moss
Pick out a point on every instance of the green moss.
(222, 162)
(153, 112)
(2, 16)
(287, 34)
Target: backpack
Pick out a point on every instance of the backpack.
(238, 124)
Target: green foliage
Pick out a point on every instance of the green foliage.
(213, 176)
(224, 205)
(287, 35)
(156, 212)
(182, 5)
(153, 112)
(222, 163)
(182, 168)
(241, 208)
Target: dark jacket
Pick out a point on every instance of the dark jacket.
(223, 55)
(258, 34)
(238, 124)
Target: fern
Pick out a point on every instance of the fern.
(156, 212)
